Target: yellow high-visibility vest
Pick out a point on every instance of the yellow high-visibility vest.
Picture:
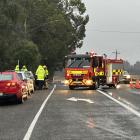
(24, 68)
(17, 68)
(40, 72)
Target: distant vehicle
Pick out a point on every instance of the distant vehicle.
(126, 77)
(12, 87)
(26, 78)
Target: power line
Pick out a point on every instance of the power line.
(115, 31)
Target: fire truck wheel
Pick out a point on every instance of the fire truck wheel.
(71, 87)
(115, 85)
(112, 85)
(95, 86)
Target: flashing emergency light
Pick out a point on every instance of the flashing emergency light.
(68, 74)
(128, 76)
(66, 82)
(92, 53)
(89, 82)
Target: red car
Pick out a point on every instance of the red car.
(12, 87)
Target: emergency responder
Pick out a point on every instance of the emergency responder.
(17, 68)
(40, 76)
(24, 68)
(46, 77)
(46, 71)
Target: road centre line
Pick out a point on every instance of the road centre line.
(32, 125)
(122, 104)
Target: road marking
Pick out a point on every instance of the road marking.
(133, 91)
(32, 125)
(79, 99)
(120, 103)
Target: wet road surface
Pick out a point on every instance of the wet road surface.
(79, 114)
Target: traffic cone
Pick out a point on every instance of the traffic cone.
(137, 84)
(131, 84)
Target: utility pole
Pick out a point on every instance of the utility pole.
(18, 62)
(116, 54)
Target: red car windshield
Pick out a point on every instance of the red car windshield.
(4, 77)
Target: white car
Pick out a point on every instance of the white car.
(126, 77)
(30, 82)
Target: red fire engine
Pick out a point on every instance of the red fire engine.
(92, 70)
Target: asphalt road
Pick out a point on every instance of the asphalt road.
(80, 114)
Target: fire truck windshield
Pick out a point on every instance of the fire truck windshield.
(79, 64)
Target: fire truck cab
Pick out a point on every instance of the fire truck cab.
(91, 70)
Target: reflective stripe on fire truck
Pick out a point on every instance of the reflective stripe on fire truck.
(77, 72)
(95, 72)
(117, 72)
(101, 73)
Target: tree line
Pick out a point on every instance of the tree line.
(132, 69)
(40, 31)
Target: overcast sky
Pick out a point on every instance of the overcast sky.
(114, 24)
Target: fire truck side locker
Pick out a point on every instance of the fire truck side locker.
(114, 72)
(109, 73)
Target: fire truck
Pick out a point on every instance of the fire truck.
(92, 70)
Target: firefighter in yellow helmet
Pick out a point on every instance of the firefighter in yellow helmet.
(40, 76)
(24, 68)
(17, 68)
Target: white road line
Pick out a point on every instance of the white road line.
(122, 104)
(32, 125)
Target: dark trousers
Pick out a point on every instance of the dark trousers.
(40, 84)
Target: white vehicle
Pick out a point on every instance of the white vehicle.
(126, 77)
(28, 80)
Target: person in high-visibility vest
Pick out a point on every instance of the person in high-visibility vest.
(46, 77)
(17, 68)
(24, 68)
(40, 76)
(46, 71)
